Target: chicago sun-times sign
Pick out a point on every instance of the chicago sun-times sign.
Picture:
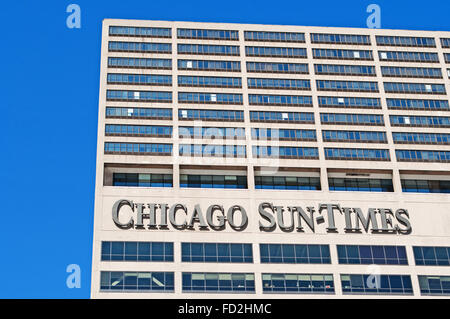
(154, 216)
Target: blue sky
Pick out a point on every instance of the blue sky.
(49, 80)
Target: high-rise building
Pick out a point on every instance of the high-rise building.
(267, 161)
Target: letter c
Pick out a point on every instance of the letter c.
(115, 213)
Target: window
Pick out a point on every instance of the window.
(266, 67)
(138, 149)
(141, 79)
(281, 117)
(434, 285)
(288, 100)
(208, 49)
(209, 98)
(445, 42)
(340, 39)
(140, 32)
(143, 96)
(284, 84)
(431, 105)
(425, 186)
(349, 102)
(287, 182)
(205, 65)
(351, 70)
(414, 88)
(431, 256)
(420, 121)
(136, 113)
(421, 138)
(285, 152)
(142, 180)
(211, 115)
(114, 46)
(212, 132)
(294, 254)
(212, 150)
(354, 136)
(357, 154)
(403, 72)
(368, 255)
(138, 130)
(298, 283)
(384, 285)
(207, 34)
(213, 181)
(136, 251)
(447, 57)
(347, 86)
(405, 41)
(422, 156)
(333, 54)
(218, 282)
(274, 36)
(275, 52)
(283, 134)
(351, 119)
(360, 184)
(136, 281)
(140, 63)
(425, 57)
(209, 81)
(216, 252)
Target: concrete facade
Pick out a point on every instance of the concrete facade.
(428, 213)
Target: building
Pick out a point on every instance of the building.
(262, 161)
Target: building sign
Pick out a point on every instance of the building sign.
(287, 218)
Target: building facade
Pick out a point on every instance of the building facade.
(262, 161)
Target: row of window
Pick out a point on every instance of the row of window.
(268, 67)
(213, 181)
(272, 283)
(138, 130)
(212, 132)
(212, 150)
(285, 152)
(360, 185)
(208, 34)
(354, 136)
(267, 116)
(414, 88)
(279, 182)
(277, 152)
(289, 100)
(421, 138)
(420, 121)
(209, 81)
(256, 51)
(142, 180)
(218, 98)
(284, 134)
(425, 186)
(287, 182)
(273, 253)
(293, 84)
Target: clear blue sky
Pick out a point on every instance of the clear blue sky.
(49, 87)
